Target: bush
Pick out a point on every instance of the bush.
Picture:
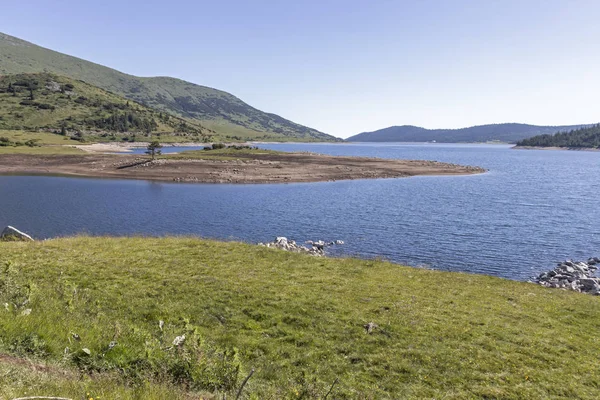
(217, 146)
(32, 143)
(43, 106)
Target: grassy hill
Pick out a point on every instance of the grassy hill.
(82, 316)
(578, 138)
(218, 110)
(509, 133)
(47, 102)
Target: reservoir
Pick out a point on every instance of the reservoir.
(532, 209)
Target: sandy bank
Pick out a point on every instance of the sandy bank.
(248, 168)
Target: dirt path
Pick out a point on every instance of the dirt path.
(247, 168)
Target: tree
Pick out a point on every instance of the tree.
(153, 149)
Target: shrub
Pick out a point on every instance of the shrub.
(44, 106)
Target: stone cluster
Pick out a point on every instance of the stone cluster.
(316, 248)
(573, 275)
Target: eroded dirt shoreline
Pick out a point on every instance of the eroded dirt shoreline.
(247, 168)
(555, 148)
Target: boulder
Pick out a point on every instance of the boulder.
(10, 233)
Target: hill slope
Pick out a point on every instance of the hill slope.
(216, 109)
(297, 320)
(578, 138)
(48, 102)
(509, 132)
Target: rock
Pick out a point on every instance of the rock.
(370, 327)
(319, 244)
(569, 270)
(179, 340)
(10, 233)
(339, 242)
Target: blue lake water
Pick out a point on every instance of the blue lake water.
(532, 208)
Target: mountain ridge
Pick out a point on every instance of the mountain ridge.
(214, 108)
(504, 132)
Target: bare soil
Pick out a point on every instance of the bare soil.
(246, 168)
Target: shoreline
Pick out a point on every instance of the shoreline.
(245, 169)
(555, 148)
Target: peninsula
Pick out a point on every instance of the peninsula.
(228, 165)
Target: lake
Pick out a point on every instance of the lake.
(532, 209)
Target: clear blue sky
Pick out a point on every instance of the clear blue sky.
(349, 66)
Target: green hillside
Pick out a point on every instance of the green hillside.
(47, 102)
(507, 132)
(218, 110)
(87, 312)
(578, 138)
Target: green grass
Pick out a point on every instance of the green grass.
(23, 379)
(47, 143)
(41, 138)
(221, 154)
(42, 150)
(296, 319)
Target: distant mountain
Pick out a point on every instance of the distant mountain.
(215, 109)
(578, 138)
(509, 132)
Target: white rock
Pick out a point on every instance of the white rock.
(178, 341)
(11, 231)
